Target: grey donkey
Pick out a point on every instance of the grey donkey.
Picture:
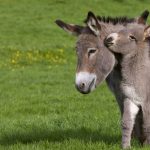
(133, 43)
(95, 62)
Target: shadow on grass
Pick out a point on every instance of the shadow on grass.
(84, 134)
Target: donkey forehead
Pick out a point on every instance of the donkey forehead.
(88, 40)
(88, 37)
(136, 30)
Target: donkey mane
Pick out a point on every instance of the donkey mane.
(114, 20)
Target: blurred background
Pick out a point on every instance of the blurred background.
(39, 105)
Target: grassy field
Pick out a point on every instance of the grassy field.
(40, 108)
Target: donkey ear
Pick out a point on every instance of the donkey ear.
(143, 18)
(71, 28)
(147, 33)
(92, 23)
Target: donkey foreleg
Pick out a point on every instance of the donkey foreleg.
(138, 127)
(146, 123)
(128, 119)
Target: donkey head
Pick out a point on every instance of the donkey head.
(95, 61)
(128, 40)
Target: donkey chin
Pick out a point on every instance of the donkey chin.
(85, 82)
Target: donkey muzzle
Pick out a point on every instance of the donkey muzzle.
(111, 39)
(85, 82)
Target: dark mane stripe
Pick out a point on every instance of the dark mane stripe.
(116, 20)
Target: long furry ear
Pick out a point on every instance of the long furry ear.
(71, 28)
(92, 23)
(143, 17)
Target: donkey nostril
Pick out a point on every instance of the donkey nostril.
(81, 86)
(109, 40)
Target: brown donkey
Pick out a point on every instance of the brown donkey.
(95, 62)
(133, 43)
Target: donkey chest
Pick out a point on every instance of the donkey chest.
(131, 93)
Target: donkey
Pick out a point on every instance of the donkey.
(95, 62)
(133, 43)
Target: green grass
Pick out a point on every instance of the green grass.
(39, 106)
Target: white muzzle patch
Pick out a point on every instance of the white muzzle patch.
(85, 81)
(114, 36)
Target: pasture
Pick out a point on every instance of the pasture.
(39, 106)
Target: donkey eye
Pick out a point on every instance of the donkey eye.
(131, 37)
(91, 51)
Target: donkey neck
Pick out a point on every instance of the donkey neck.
(134, 65)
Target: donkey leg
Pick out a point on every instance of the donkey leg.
(138, 127)
(128, 119)
(146, 123)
